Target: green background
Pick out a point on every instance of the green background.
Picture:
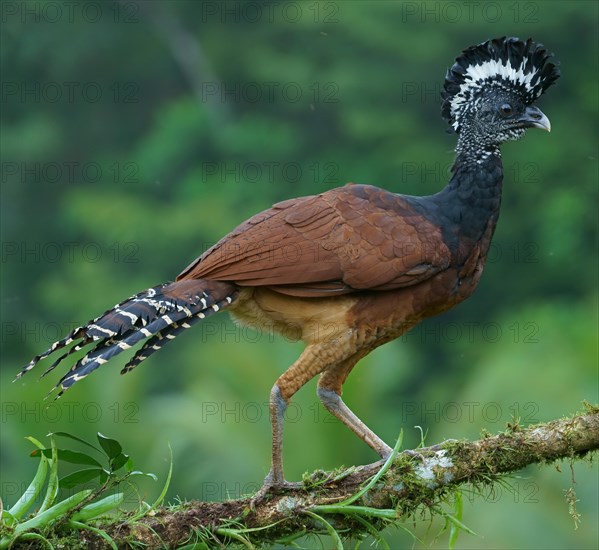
(136, 135)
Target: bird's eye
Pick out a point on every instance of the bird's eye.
(505, 109)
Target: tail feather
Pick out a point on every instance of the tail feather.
(107, 324)
(67, 340)
(159, 312)
(159, 340)
(103, 352)
(74, 349)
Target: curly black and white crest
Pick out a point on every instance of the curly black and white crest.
(505, 63)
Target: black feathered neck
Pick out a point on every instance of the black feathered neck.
(472, 198)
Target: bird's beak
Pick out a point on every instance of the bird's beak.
(535, 118)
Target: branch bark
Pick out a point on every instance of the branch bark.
(413, 480)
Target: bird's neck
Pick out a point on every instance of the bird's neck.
(472, 198)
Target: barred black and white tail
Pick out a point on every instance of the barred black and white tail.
(158, 314)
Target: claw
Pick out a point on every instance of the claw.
(273, 486)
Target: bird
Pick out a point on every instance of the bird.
(365, 263)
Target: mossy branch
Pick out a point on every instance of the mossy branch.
(422, 479)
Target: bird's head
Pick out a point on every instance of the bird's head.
(489, 92)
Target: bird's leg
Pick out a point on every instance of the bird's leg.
(307, 366)
(329, 393)
(278, 406)
(334, 404)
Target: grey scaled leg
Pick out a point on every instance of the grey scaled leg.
(329, 393)
(307, 366)
(275, 477)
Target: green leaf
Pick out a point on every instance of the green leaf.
(7, 518)
(51, 514)
(52, 489)
(162, 494)
(35, 442)
(140, 473)
(32, 492)
(374, 533)
(160, 498)
(34, 536)
(66, 455)
(119, 462)
(379, 474)
(459, 524)
(112, 448)
(75, 438)
(389, 513)
(96, 509)
(454, 530)
(330, 529)
(79, 477)
(234, 534)
(99, 532)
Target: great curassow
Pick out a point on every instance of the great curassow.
(365, 261)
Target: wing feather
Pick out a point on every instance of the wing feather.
(352, 238)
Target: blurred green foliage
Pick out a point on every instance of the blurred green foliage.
(210, 112)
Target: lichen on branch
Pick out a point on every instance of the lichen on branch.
(421, 478)
(355, 502)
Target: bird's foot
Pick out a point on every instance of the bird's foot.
(274, 485)
(384, 451)
(429, 451)
(414, 454)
